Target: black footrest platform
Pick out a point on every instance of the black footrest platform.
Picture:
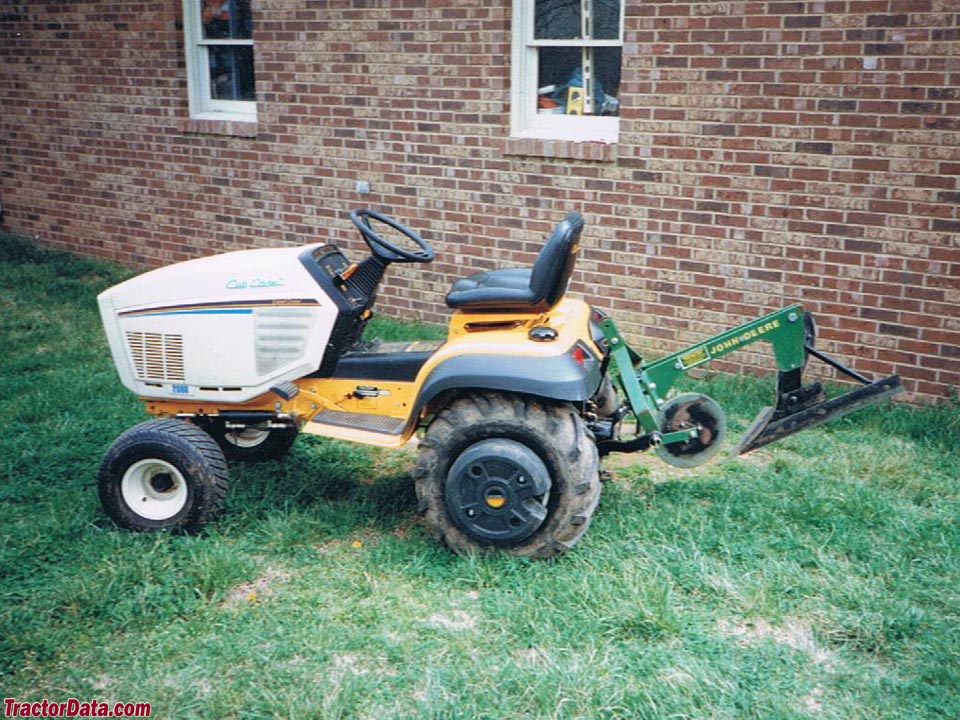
(360, 421)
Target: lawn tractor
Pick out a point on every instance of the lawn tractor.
(236, 354)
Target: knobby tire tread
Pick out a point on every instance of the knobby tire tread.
(553, 430)
(182, 438)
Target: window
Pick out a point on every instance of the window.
(566, 69)
(219, 44)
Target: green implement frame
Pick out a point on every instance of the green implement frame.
(646, 385)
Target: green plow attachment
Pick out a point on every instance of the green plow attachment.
(687, 430)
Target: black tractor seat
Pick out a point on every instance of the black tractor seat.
(535, 289)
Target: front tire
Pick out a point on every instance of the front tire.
(507, 472)
(163, 475)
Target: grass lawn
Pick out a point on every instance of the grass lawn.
(816, 578)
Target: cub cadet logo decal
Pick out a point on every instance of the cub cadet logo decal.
(236, 284)
(744, 337)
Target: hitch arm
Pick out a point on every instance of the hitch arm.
(783, 329)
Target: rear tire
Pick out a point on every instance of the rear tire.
(163, 475)
(507, 472)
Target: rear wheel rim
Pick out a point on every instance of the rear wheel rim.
(498, 491)
(154, 489)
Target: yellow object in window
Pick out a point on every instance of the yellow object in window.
(574, 101)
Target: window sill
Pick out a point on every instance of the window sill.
(219, 126)
(594, 151)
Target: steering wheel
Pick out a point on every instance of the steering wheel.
(385, 249)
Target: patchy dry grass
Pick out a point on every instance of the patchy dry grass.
(816, 579)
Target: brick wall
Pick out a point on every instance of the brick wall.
(769, 152)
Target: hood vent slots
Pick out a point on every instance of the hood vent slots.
(157, 357)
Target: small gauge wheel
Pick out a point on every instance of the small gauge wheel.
(707, 424)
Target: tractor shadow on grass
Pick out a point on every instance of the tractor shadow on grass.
(343, 483)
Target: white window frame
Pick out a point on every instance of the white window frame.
(525, 121)
(202, 105)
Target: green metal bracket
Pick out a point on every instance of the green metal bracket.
(679, 436)
(625, 360)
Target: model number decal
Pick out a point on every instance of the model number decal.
(694, 357)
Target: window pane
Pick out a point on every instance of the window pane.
(231, 73)
(606, 72)
(226, 19)
(563, 20)
(560, 80)
(606, 19)
(559, 65)
(557, 20)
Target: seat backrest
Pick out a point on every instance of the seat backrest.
(554, 265)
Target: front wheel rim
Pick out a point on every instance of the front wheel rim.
(154, 489)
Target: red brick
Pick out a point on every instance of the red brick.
(748, 170)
